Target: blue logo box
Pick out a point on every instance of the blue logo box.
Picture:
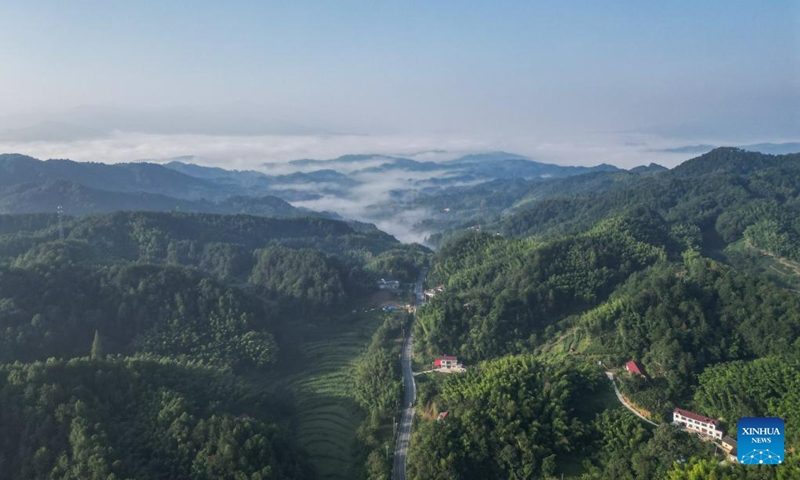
(760, 441)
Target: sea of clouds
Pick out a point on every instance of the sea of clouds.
(252, 151)
(271, 154)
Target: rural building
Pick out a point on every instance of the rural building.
(697, 423)
(729, 445)
(384, 284)
(635, 368)
(446, 361)
(431, 292)
(447, 364)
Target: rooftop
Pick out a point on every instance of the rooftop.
(694, 416)
(635, 367)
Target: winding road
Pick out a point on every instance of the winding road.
(610, 376)
(409, 395)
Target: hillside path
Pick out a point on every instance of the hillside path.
(626, 404)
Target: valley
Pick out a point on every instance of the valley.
(416, 240)
(303, 317)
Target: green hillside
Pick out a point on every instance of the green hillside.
(669, 269)
(170, 345)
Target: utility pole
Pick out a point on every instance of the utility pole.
(60, 225)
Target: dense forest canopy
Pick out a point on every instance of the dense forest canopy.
(507, 419)
(165, 344)
(503, 292)
(691, 272)
(138, 418)
(700, 191)
(124, 346)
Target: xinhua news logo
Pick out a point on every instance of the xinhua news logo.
(760, 441)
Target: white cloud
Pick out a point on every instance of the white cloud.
(251, 152)
(235, 151)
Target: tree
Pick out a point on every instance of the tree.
(97, 347)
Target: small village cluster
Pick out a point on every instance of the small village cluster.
(395, 287)
(708, 428)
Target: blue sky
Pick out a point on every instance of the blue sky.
(493, 71)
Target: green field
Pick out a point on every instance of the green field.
(321, 383)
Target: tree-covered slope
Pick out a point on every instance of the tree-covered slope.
(124, 346)
(126, 177)
(78, 199)
(506, 419)
(138, 419)
(675, 269)
(501, 294)
(716, 192)
(718, 186)
(189, 238)
(209, 287)
(53, 310)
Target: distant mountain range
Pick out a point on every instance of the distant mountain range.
(365, 183)
(770, 148)
(397, 193)
(482, 166)
(490, 203)
(28, 185)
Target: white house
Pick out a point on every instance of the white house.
(448, 363)
(697, 423)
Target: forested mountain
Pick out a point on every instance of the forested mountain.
(182, 237)
(138, 418)
(29, 185)
(123, 177)
(509, 419)
(692, 272)
(489, 165)
(700, 190)
(508, 290)
(125, 345)
(721, 193)
(146, 344)
(54, 311)
(77, 199)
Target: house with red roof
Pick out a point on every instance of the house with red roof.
(635, 368)
(445, 361)
(697, 423)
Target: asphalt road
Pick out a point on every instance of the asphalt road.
(409, 395)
